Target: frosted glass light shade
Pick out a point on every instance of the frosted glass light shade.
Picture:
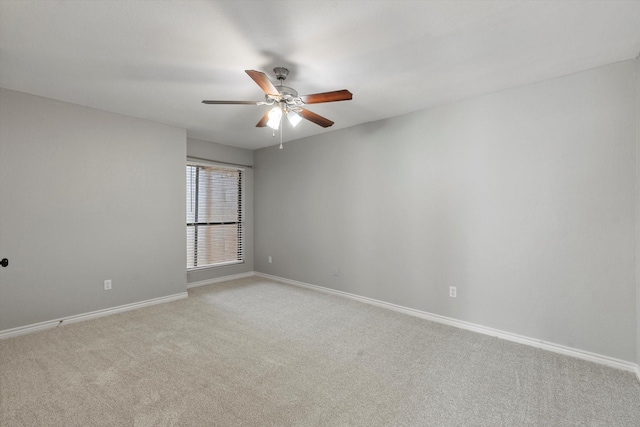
(294, 118)
(274, 118)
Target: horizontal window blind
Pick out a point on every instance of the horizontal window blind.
(214, 216)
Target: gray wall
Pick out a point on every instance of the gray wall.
(223, 153)
(638, 210)
(85, 196)
(523, 199)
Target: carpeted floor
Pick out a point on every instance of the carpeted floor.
(257, 353)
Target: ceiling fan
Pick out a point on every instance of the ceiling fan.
(286, 101)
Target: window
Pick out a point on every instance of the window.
(214, 216)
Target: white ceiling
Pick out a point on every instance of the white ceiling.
(159, 59)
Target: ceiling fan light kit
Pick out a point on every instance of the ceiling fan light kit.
(286, 101)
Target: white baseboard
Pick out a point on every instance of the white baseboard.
(22, 330)
(556, 348)
(220, 279)
(27, 329)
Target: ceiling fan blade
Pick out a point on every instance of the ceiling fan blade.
(231, 102)
(263, 121)
(315, 118)
(263, 81)
(336, 95)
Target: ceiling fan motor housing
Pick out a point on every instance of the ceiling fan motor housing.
(287, 94)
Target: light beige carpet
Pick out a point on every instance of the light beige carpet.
(257, 353)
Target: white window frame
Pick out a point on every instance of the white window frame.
(242, 223)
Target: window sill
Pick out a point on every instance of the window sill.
(224, 264)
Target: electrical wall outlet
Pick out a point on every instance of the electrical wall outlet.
(107, 285)
(452, 292)
(270, 259)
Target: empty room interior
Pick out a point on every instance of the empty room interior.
(327, 213)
